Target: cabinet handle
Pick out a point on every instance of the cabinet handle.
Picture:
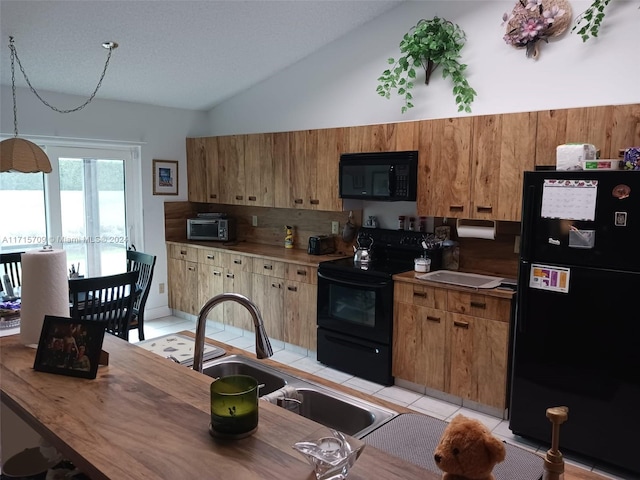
(461, 324)
(480, 208)
(252, 199)
(302, 272)
(239, 197)
(276, 285)
(213, 195)
(217, 274)
(298, 201)
(191, 269)
(237, 261)
(479, 305)
(268, 267)
(433, 319)
(229, 275)
(314, 201)
(183, 252)
(210, 257)
(456, 207)
(420, 294)
(292, 289)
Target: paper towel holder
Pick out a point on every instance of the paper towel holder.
(476, 228)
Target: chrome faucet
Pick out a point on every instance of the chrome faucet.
(263, 345)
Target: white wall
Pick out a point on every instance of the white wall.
(337, 86)
(161, 131)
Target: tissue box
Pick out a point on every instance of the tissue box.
(571, 155)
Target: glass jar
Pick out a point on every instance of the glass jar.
(422, 265)
(234, 407)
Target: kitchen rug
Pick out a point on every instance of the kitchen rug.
(414, 437)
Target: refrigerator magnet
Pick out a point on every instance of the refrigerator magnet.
(549, 277)
(620, 219)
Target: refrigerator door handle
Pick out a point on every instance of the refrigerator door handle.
(529, 219)
(522, 302)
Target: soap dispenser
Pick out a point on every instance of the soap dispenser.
(288, 238)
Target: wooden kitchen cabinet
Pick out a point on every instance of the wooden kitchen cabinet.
(211, 280)
(503, 148)
(182, 274)
(238, 278)
(258, 168)
(268, 294)
(231, 166)
(203, 172)
(444, 168)
(301, 295)
(452, 340)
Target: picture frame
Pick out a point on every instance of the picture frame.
(165, 177)
(70, 347)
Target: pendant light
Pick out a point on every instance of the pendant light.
(19, 154)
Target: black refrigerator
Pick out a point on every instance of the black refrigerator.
(577, 325)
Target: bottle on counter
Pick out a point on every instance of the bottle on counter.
(288, 239)
(412, 224)
(401, 222)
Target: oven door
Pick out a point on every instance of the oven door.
(356, 305)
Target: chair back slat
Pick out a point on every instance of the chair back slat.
(12, 266)
(106, 299)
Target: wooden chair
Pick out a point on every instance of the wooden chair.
(108, 299)
(143, 263)
(12, 266)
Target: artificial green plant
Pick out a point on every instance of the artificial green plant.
(429, 44)
(592, 17)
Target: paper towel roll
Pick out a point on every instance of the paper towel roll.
(45, 291)
(476, 229)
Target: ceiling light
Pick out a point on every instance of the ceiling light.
(18, 154)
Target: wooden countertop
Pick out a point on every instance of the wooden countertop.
(145, 417)
(494, 292)
(292, 255)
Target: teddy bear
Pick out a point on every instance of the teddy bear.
(468, 451)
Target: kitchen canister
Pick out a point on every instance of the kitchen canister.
(45, 291)
(631, 158)
(422, 265)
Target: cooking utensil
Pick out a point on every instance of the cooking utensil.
(349, 230)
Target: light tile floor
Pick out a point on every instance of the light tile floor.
(305, 360)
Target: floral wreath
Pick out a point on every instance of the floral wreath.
(530, 21)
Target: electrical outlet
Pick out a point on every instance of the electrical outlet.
(516, 246)
(335, 227)
(161, 288)
(254, 221)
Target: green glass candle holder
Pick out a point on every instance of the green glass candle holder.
(234, 407)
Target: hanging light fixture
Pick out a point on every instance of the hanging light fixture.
(18, 154)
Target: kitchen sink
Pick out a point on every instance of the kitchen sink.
(233, 366)
(329, 407)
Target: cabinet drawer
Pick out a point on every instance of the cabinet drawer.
(301, 273)
(237, 263)
(478, 305)
(183, 252)
(270, 268)
(420, 295)
(211, 257)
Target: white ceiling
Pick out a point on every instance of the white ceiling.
(180, 53)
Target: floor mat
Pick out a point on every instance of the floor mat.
(414, 437)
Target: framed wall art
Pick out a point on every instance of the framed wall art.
(165, 177)
(70, 347)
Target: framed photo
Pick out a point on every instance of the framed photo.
(165, 177)
(70, 347)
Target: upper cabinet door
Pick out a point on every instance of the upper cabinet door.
(303, 156)
(281, 170)
(576, 125)
(625, 131)
(503, 149)
(258, 167)
(231, 158)
(444, 167)
(196, 170)
(330, 145)
(213, 169)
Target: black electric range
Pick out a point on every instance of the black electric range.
(355, 302)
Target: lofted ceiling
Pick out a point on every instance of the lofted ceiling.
(180, 53)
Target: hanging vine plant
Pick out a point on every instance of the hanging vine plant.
(429, 44)
(592, 18)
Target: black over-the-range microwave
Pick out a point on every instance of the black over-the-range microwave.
(382, 176)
